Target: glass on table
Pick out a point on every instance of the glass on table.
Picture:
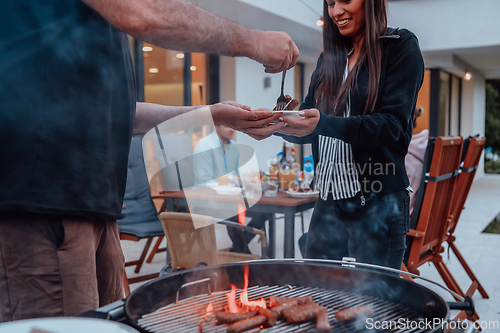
(270, 187)
(223, 180)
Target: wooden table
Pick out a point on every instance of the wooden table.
(282, 203)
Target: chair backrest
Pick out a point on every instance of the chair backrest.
(473, 149)
(433, 214)
(419, 195)
(137, 198)
(189, 245)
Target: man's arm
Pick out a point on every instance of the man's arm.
(180, 25)
(254, 123)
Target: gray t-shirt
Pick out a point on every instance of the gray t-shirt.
(67, 105)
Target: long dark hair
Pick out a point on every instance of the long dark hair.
(332, 93)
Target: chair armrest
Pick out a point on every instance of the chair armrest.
(416, 233)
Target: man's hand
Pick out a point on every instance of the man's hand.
(303, 126)
(257, 123)
(238, 105)
(275, 50)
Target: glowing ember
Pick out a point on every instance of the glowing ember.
(231, 300)
(210, 310)
(244, 294)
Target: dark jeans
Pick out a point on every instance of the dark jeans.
(374, 233)
(241, 238)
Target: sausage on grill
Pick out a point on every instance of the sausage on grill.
(271, 316)
(277, 300)
(322, 323)
(298, 314)
(227, 317)
(352, 313)
(279, 309)
(246, 324)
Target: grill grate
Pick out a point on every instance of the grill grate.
(190, 315)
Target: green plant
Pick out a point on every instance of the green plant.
(492, 166)
(492, 116)
(493, 227)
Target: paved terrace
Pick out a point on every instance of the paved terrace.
(480, 250)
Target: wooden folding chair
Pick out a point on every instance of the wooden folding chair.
(433, 215)
(441, 169)
(191, 241)
(473, 149)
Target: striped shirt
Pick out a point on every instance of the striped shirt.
(336, 171)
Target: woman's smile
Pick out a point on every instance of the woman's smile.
(343, 22)
(348, 16)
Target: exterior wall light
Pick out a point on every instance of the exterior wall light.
(467, 75)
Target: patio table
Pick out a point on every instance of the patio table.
(282, 203)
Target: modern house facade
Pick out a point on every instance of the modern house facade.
(456, 36)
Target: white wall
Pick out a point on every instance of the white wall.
(454, 34)
(295, 11)
(227, 78)
(473, 109)
(448, 24)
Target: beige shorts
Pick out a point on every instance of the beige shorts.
(56, 266)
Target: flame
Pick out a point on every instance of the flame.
(231, 300)
(242, 213)
(244, 294)
(231, 297)
(210, 310)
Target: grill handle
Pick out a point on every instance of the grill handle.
(351, 262)
(467, 305)
(207, 280)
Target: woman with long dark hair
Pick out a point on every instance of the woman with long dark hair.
(358, 116)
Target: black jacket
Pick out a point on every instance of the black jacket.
(379, 140)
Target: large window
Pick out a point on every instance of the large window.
(163, 76)
(174, 78)
(299, 82)
(440, 98)
(423, 101)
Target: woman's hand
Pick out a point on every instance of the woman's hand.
(300, 127)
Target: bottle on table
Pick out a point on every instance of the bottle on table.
(286, 175)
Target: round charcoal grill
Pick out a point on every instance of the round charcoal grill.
(178, 302)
